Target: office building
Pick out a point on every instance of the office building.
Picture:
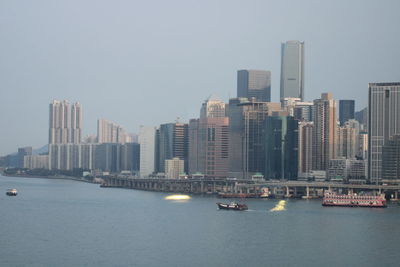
(281, 147)
(254, 83)
(130, 157)
(324, 131)
(209, 141)
(147, 139)
(346, 111)
(391, 160)
(246, 127)
(171, 142)
(292, 70)
(384, 117)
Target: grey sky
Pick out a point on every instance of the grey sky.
(149, 62)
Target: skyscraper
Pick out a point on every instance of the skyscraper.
(346, 111)
(172, 141)
(383, 123)
(305, 147)
(65, 124)
(292, 70)
(246, 127)
(147, 137)
(209, 140)
(281, 147)
(324, 131)
(254, 83)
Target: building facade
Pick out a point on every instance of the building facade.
(305, 147)
(147, 139)
(384, 117)
(391, 160)
(109, 132)
(346, 111)
(324, 131)
(254, 83)
(292, 70)
(65, 123)
(281, 147)
(172, 142)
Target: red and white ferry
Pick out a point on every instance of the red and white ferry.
(353, 200)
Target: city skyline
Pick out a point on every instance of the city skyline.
(120, 74)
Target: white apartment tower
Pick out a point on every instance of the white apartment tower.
(109, 132)
(65, 122)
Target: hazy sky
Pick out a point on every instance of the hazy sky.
(149, 62)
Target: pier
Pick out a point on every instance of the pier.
(277, 188)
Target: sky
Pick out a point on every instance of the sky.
(151, 62)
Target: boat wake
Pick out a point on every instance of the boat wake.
(280, 206)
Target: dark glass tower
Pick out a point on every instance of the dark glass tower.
(254, 83)
(346, 111)
(172, 142)
(281, 147)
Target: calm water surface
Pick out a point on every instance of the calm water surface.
(68, 223)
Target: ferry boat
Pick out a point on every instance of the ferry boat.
(11, 192)
(353, 200)
(232, 206)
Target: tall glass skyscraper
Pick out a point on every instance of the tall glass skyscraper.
(292, 70)
(254, 83)
(383, 123)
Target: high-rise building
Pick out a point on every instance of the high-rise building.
(109, 132)
(254, 83)
(346, 111)
(347, 140)
(305, 147)
(76, 123)
(130, 157)
(246, 127)
(65, 124)
(209, 141)
(362, 151)
(281, 147)
(362, 117)
(391, 160)
(384, 117)
(292, 70)
(324, 131)
(71, 156)
(147, 139)
(195, 164)
(172, 142)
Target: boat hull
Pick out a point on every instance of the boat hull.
(223, 206)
